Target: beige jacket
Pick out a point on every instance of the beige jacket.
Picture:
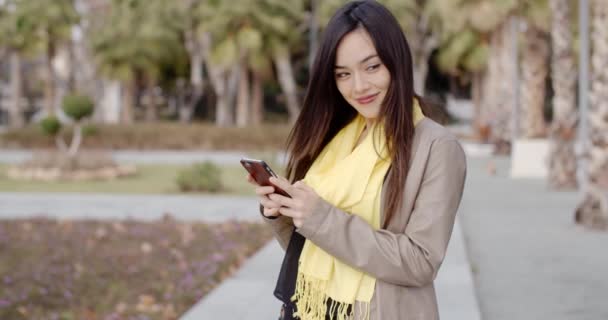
(405, 257)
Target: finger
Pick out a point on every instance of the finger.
(283, 201)
(251, 180)
(271, 212)
(300, 184)
(283, 184)
(267, 203)
(262, 191)
(289, 212)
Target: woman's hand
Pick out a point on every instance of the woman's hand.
(271, 208)
(301, 204)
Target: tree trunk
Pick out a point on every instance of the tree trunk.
(49, 83)
(62, 67)
(194, 47)
(499, 98)
(535, 59)
(151, 108)
(562, 159)
(257, 100)
(218, 78)
(242, 99)
(593, 210)
(421, 70)
(287, 82)
(128, 99)
(477, 92)
(76, 140)
(16, 118)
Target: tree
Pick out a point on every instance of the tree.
(562, 159)
(77, 107)
(534, 66)
(248, 36)
(17, 40)
(593, 210)
(49, 23)
(475, 37)
(131, 44)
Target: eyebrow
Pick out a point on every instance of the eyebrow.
(360, 62)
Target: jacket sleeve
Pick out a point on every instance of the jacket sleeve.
(411, 258)
(282, 227)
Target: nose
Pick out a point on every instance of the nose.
(360, 83)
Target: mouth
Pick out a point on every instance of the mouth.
(367, 99)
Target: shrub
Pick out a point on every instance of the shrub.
(204, 177)
(78, 106)
(89, 130)
(50, 125)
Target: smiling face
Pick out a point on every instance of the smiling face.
(360, 75)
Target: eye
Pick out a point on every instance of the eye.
(341, 75)
(373, 67)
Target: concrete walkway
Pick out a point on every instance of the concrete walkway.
(530, 260)
(149, 156)
(212, 208)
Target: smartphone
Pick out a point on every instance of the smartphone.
(261, 173)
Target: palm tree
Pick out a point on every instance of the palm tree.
(248, 36)
(593, 210)
(50, 23)
(477, 32)
(562, 160)
(534, 66)
(18, 40)
(131, 44)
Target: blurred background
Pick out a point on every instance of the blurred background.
(122, 123)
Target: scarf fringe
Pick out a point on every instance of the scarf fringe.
(311, 302)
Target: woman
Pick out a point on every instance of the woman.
(374, 184)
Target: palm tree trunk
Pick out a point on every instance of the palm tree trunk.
(49, 84)
(562, 159)
(477, 92)
(128, 99)
(219, 81)
(16, 118)
(242, 99)
(194, 47)
(257, 100)
(151, 109)
(593, 210)
(287, 82)
(535, 58)
(499, 99)
(422, 42)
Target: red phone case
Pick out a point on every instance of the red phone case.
(261, 173)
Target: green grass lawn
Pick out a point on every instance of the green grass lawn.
(151, 179)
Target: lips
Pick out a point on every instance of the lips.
(367, 99)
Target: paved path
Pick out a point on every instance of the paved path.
(115, 206)
(531, 261)
(150, 156)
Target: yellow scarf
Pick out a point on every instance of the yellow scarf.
(349, 177)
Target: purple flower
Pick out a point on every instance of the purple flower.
(67, 294)
(4, 303)
(217, 257)
(7, 280)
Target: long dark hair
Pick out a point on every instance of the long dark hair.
(325, 111)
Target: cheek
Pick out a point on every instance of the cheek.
(344, 88)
